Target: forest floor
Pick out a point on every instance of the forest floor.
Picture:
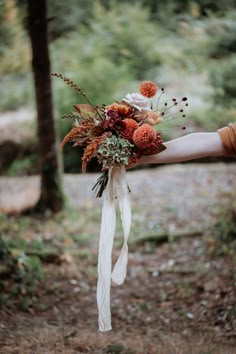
(179, 294)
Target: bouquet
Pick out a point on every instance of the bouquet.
(118, 134)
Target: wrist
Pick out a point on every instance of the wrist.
(144, 160)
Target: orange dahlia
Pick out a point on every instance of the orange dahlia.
(144, 136)
(155, 147)
(130, 126)
(148, 89)
(122, 109)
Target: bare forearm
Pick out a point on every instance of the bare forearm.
(188, 147)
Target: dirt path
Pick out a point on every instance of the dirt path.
(17, 126)
(190, 192)
(178, 298)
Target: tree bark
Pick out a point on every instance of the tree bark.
(51, 193)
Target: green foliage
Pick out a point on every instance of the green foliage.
(6, 30)
(225, 228)
(15, 88)
(117, 349)
(22, 167)
(109, 55)
(217, 6)
(223, 41)
(20, 275)
(223, 239)
(213, 118)
(26, 242)
(14, 44)
(65, 16)
(128, 37)
(223, 81)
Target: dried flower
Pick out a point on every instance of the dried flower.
(90, 150)
(69, 136)
(80, 134)
(148, 89)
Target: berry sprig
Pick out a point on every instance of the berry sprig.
(72, 115)
(167, 108)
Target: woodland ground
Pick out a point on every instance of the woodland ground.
(179, 294)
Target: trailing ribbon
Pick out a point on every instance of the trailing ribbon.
(117, 189)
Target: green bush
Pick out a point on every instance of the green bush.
(20, 275)
(15, 87)
(14, 44)
(224, 232)
(223, 81)
(6, 30)
(23, 167)
(223, 36)
(65, 16)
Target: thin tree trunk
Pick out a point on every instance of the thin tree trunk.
(51, 193)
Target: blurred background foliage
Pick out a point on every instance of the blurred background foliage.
(107, 47)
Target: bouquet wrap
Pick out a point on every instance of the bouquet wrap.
(116, 190)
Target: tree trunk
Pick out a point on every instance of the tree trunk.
(51, 192)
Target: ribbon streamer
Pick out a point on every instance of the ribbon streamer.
(117, 189)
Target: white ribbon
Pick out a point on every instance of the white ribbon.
(117, 189)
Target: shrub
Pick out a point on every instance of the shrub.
(20, 275)
(224, 232)
(223, 81)
(223, 32)
(65, 16)
(15, 88)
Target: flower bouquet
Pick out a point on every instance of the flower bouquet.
(117, 134)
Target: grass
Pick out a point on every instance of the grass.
(221, 239)
(69, 228)
(23, 166)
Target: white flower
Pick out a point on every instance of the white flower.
(137, 100)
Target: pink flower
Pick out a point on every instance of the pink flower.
(137, 101)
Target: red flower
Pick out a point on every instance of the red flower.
(130, 126)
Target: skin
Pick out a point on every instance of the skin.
(189, 147)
